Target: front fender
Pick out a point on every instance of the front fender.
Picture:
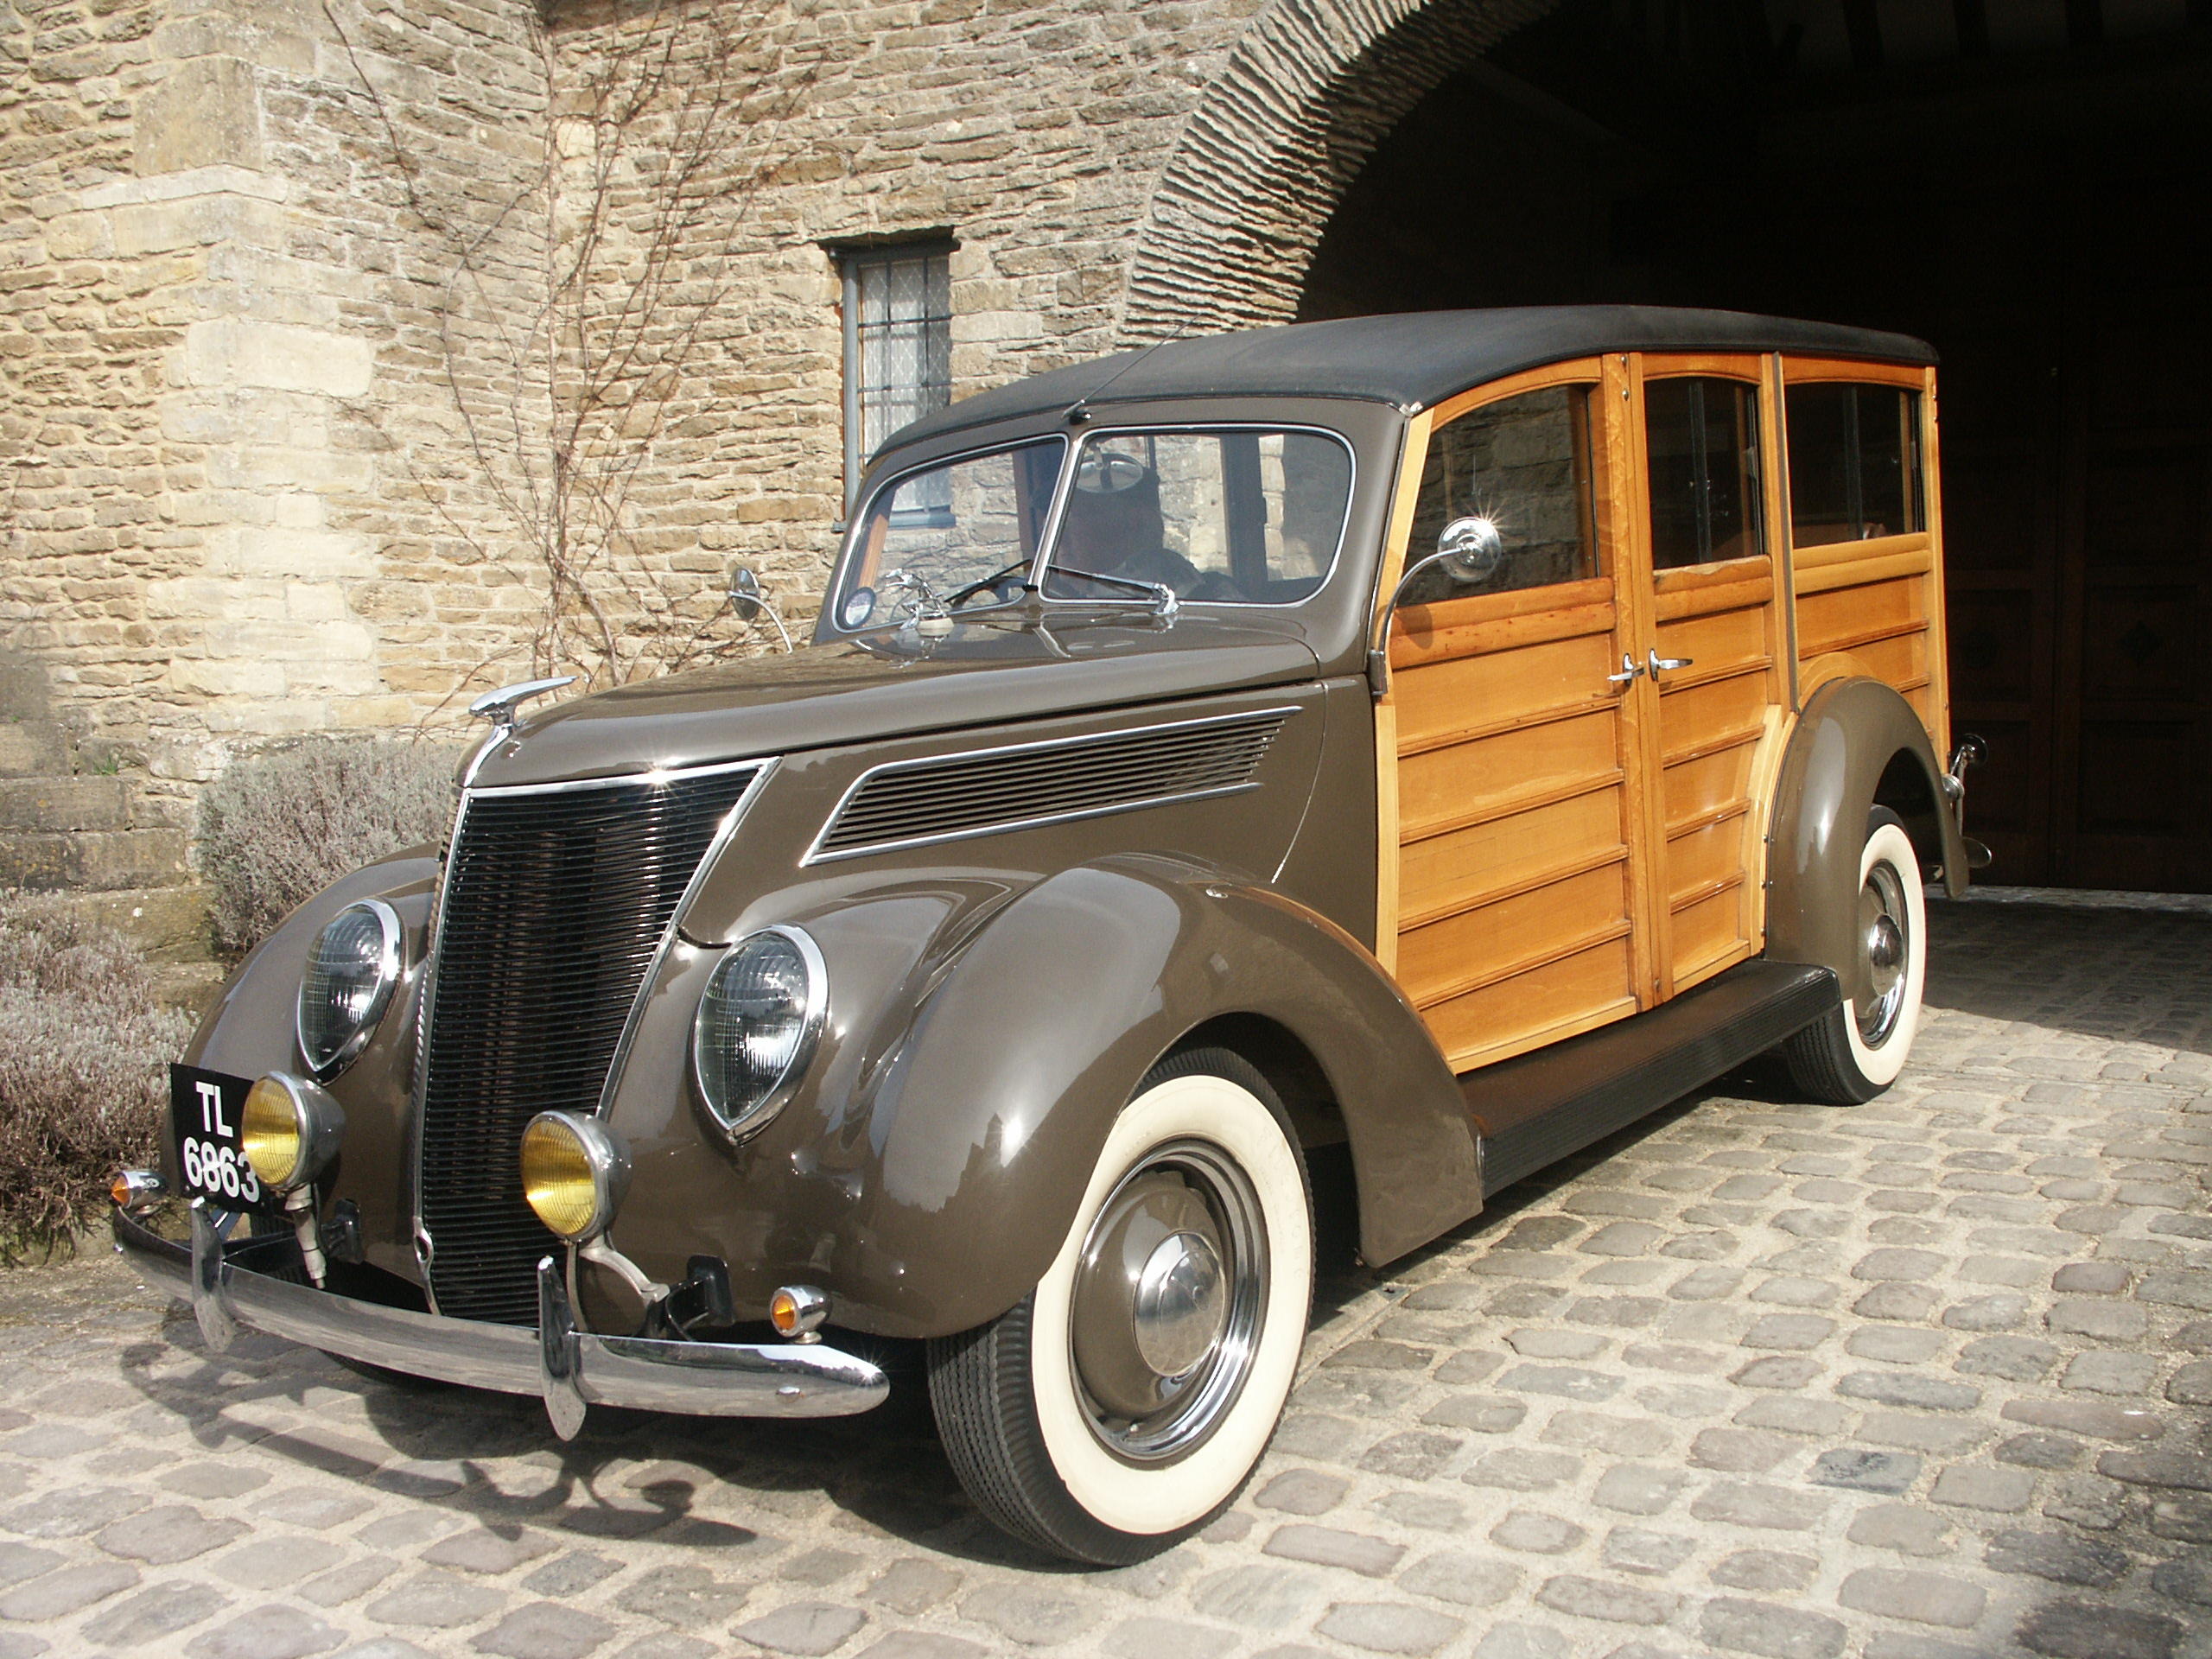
(1846, 740)
(986, 1126)
(250, 1031)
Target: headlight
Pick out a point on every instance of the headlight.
(757, 1025)
(352, 969)
(574, 1171)
(289, 1129)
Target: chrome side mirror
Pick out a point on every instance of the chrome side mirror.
(745, 592)
(1470, 549)
(751, 601)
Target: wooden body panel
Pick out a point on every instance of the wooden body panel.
(1559, 849)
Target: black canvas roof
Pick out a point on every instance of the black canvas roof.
(1411, 359)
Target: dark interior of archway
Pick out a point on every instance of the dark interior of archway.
(2029, 186)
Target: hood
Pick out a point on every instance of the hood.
(890, 684)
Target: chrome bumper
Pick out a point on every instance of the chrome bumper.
(566, 1368)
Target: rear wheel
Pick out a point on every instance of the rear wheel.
(1857, 1051)
(1123, 1402)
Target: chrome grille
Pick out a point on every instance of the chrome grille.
(555, 906)
(910, 803)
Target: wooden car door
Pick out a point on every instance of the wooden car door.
(1699, 589)
(1515, 885)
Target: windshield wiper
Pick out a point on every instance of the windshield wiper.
(1165, 602)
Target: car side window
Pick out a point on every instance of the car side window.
(1520, 467)
(1236, 517)
(1701, 441)
(1854, 463)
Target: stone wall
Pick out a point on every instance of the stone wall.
(232, 506)
(295, 303)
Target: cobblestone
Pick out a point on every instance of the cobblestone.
(1662, 1403)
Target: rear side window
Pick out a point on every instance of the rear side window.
(1702, 438)
(1233, 517)
(1854, 463)
(1520, 467)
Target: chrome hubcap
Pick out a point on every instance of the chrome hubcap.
(1182, 1303)
(1883, 919)
(1169, 1295)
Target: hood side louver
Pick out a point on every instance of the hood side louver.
(912, 802)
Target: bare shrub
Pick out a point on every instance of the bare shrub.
(84, 1055)
(276, 829)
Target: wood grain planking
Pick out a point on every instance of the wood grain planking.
(1437, 700)
(1426, 641)
(1463, 867)
(1695, 716)
(1899, 661)
(1700, 857)
(1830, 620)
(1462, 953)
(1728, 642)
(1697, 788)
(1823, 578)
(1708, 935)
(1574, 993)
(1441, 788)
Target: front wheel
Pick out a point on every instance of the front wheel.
(1121, 1404)
(1856, 1050)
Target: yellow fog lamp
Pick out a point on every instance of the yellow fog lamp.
(574, 1171)
(289, 1131)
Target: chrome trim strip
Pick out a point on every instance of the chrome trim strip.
(425, 1246)
(650, 775)
(705, 1379)
(715, 844)
(816, 855)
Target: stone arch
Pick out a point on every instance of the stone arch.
(1308, 92)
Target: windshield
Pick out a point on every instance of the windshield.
(1236, 517)
(961, 534)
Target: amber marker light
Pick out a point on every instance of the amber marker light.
(136, 1191)
(290, 1130)
(797, 1311)
(574, 1171)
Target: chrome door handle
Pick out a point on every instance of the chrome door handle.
(1655, 663)
(1630, 669)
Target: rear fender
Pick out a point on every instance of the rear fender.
(1857, 741)
(983, 1128)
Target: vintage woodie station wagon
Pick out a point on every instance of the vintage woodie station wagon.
(1417, 744)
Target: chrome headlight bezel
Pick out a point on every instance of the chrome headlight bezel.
(813, 1015)
(389, 962)
(606, 1159)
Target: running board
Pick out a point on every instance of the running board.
(1537, 1109)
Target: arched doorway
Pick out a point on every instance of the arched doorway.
(2027, 183)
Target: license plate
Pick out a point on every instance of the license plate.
(205, 1108)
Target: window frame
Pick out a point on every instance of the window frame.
(852, 260)
(859, 515)
(1765, 536)
(1042, 566)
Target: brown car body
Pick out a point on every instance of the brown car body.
(996, 994)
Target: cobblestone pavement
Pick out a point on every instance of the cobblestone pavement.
(1917, 1380)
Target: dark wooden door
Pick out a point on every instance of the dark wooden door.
(2077, 423)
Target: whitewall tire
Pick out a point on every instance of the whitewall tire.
(1856, 1050)
(1125, 1401)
